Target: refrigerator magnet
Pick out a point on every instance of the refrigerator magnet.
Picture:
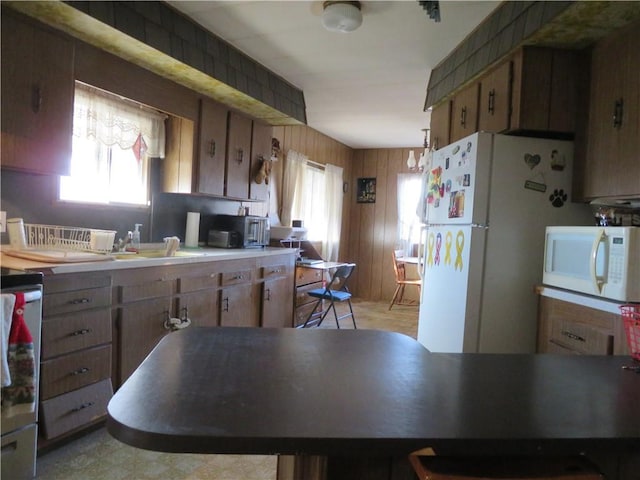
(459, 246)
(436, 258)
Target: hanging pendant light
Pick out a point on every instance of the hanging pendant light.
(341, 17)
(411, 161)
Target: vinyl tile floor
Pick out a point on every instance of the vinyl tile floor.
(98, 456)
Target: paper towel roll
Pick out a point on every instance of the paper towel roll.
(193, 229)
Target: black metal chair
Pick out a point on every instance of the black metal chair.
(335, 291)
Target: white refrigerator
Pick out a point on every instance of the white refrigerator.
(485, 203)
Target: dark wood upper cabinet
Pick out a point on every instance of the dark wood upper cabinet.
(37, 97)
(464, 112)
(613, 133)
(212, 146)
(260, 152)
(238, 162)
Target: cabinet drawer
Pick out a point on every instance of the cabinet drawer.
(75, 409)
(71, 282)
(581, 338)
(302, 297)
(151, 289)
(192, 284)
(75, 370)
(68, 333)
(308, 275)
(68, 302)
(233, 278)
(273, 271)
(303, 312)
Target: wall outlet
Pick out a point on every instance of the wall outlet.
(3, 222)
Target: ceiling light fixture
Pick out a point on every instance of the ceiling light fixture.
(341, 17)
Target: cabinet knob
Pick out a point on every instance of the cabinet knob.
(492, 101)
(36, 98)
(82, 406)
(618, 110)
(83, 331)
(77, 301)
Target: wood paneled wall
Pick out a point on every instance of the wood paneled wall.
(321, 149)
(368, 229)
(374, 225)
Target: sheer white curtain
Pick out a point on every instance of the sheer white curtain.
(113, 121)
(294, 163)
(408, 222)
(333, 211)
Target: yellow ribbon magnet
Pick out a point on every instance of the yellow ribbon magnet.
(448, 240)
(459, 247)
(430, 256)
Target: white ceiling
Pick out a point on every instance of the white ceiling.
(366, 88)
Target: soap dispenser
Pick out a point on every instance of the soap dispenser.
(135, 239)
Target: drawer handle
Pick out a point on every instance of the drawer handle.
(492, 101)
(84, 331)
(573, 336)
(276, 270)
(82, 406)
(77, 301)
(238, 277)
(225, 308)
(268, 295)
(212, 148)
(80, 371)
(36, 99)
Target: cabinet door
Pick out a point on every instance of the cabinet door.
(612, 167)
(238, 156)
(238, 306)
(260, 152)
(464, 112)
(495, 100)
(201, 307)
(440, 125)
(277, 302)
(212, 147)
(37, 98)
(141, 327)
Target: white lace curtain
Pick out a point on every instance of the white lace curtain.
(294, 163)
(333, 205)
(408, 222)
(113, 121)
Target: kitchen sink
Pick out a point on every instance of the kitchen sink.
(153, 254)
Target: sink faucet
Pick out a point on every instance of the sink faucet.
(122, 243)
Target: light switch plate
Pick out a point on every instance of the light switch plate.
(3, 222)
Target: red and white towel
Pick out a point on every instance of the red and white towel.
(19, 388)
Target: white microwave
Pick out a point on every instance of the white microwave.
(600, 261)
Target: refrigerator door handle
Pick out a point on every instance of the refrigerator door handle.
(598, 281)
(421, 251)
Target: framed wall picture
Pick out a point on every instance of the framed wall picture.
(366, 190)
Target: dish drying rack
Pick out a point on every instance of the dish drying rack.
(68, 239)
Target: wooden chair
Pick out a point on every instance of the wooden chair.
(503, 468)
(335, 291)
(401, 279)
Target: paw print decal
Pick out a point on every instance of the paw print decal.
(557, 198)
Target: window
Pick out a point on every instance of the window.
(113, 140)
(309, 201)
(409, 185)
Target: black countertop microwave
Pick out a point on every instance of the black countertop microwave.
(234, 231)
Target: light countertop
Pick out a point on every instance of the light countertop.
(199, 255)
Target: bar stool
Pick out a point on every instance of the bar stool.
(503, 468)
